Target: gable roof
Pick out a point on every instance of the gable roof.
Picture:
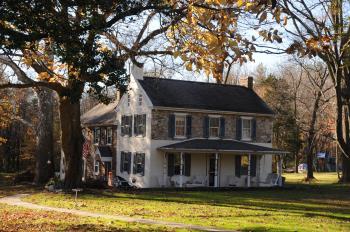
(204, 96)
(220, 145)
(101, 114)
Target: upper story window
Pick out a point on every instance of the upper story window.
(180, 125)
(214, 127)
(109, 135)
(126, 125)
(97, 135)
(140, 100)
(103, 135)
(140, 124)
(129, 99)
(246, 128)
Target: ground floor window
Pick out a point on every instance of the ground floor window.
(97, 167)
(242, 163)
(125, 162)
(139, 164)
(174, 164)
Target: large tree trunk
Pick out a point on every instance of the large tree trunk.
(44, 168)
(72, 140)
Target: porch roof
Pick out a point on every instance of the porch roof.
(219, 145)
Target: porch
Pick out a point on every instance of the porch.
(219, 163)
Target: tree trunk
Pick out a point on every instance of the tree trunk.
(44, 167)
(296, 161)
(345, 169)
(72, 139)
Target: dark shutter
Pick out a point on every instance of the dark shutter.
(253, 165)
(130, 125)
(238, 165)
(143, 164)
(122, 125)
(222, 127)
(134, 166)
(129, 162)
(171, 161)
(187, 164)
(122, 158)
(144, 125)
(238, 128)
(253, 129)
(136, 132)
(189, 126)
(171, 126)
(206, 127)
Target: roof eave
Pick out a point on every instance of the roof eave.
(223, 151)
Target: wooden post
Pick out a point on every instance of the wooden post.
(181, 168)
(216, 179)
(279, 171)
(249, 179)
(164, 170)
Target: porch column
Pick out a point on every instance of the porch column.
(181, 168)
(164, 170)
(279, 171)
(216, 177)
(249, 179)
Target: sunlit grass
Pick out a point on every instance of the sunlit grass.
(320, 206)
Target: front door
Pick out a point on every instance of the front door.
(108, 167)
(211, 173)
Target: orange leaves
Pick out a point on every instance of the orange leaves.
(318, 44)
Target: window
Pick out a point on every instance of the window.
(126, 125)
(242, 163)
(139, 164)
(97, 167)
(246, 129)
(214, 126)
(129, 99)
(140, 125)
(109, 135)
(140, 99)
(125, 162)
(180, 126)
(97, 134)
(174, 164)
(103, 135)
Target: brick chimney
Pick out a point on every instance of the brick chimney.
(250, 82)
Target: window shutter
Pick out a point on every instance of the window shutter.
(171, 126)
(122, 126)
(222, 127)
(238, 128)
(253, 129)
(122, 157)
(134, 163)
(238, 165)
(187, 164)
(129, 162)
(253, 165)
(144, 125)
(189, 126)
(206, 127)
(135, 125)
(143, 164)
(130, 126)
(171, 160)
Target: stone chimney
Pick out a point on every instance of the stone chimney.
(250, 82)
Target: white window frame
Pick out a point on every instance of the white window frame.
(218, 118)
(178, 115)
(250, 119)
(140, 99)
(109, 129)
(99, 135)
(98, 167)
(129, 125)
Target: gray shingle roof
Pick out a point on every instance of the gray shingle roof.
(101, 114)
(201, 95)
(218, 145)
(105, 151)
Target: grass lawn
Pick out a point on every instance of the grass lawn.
(320, 206)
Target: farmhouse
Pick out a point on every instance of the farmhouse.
(175, 133)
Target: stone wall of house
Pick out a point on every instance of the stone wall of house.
(160, 120)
